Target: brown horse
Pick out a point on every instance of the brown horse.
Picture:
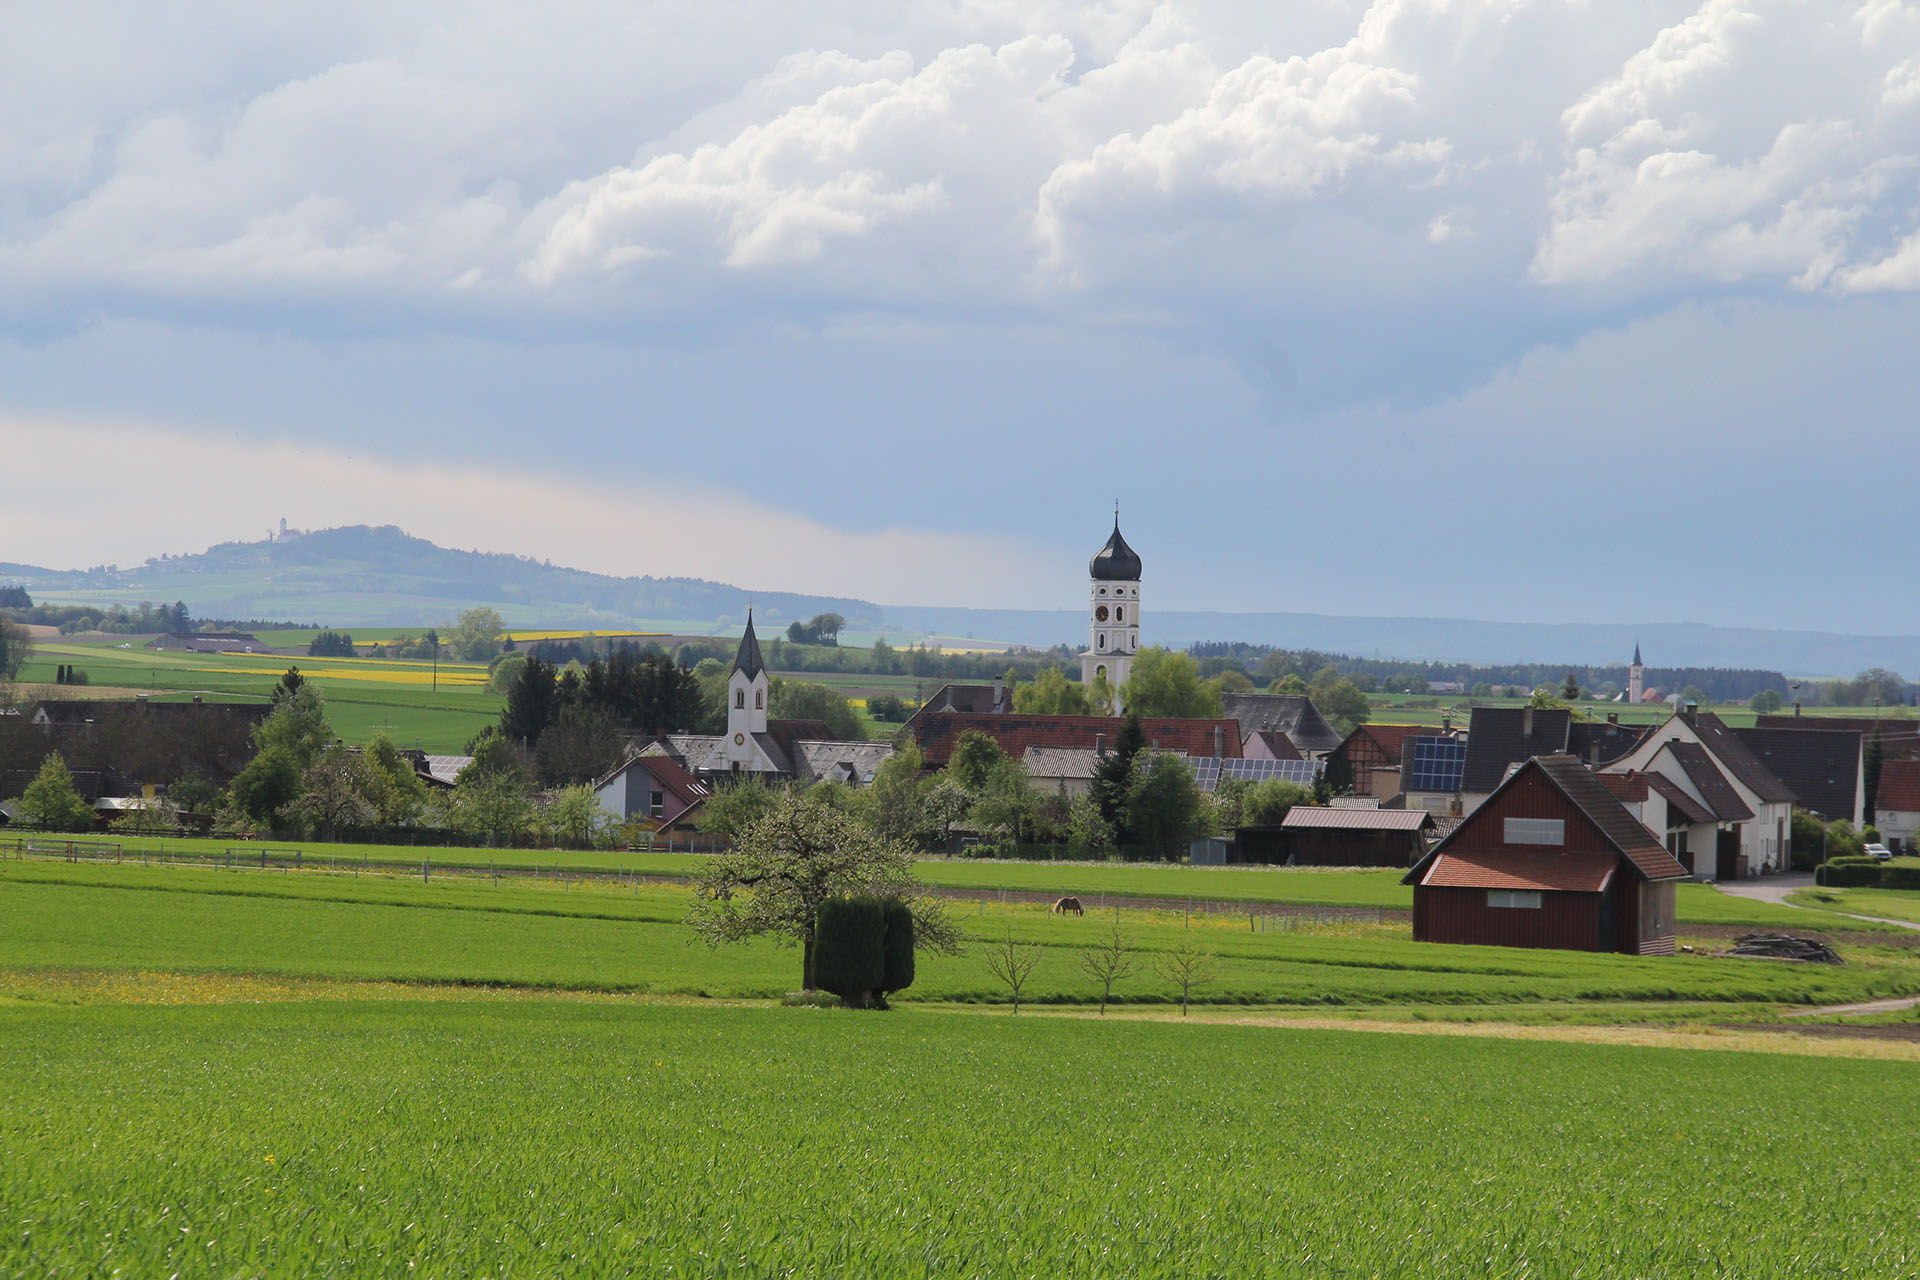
(1065, 905)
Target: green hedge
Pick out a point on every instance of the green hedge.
(1865, 873)
(863, 949)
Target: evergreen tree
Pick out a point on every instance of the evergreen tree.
(1114, 772)
(531, 703)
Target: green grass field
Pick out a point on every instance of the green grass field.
(629, 937)
(538, 1138)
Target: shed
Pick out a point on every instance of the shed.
(1551, 859)
(1315, 837)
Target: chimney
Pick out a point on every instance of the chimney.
(1219, 741)
(1099, 744)
(1689, 710)
(1593, 754)
(1613, 717)
(196, 699)
(140, 698)
(999, 691)
(1796, 708)
(1526, 722)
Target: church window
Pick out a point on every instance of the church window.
(759, 700)
(740, 699)
(1119, 615)
(1100, 641)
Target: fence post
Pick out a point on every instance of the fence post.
(423, 871)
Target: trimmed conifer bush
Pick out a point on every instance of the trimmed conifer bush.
(898, 975)
(849, 948)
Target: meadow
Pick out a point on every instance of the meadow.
(1095, 882)
(629, 937)
(548, 1138)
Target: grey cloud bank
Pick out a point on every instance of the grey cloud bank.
(1516, 310)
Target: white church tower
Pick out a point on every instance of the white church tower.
(1636, 678)
(747, 691)
(1114, 614)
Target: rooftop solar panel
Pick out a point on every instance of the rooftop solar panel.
(1209, 770)
(1438, 764)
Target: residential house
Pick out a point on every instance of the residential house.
(1825, 767)
(655, 790)
(1728, 778)
(1373, 753)
(1293, 716)
(936, 733)
(1551, 859)
(1897, 804)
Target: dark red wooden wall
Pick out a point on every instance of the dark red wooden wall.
(1568, 921)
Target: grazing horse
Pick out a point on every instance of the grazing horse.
(1065, 905)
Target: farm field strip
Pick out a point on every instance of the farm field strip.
(488, 1138)
(312, 924)
(1275, 886)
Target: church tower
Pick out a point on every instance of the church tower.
(747, 691)
(1114, 614)
(1636, 678)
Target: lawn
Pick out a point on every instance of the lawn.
(555, 1138)
(629, 937)
(1892, 904)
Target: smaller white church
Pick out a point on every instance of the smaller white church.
(1113, 615)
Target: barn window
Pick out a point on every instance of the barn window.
(1536, 831)
(1513, 897)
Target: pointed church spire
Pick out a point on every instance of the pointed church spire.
(1636, 654)
(747, 660)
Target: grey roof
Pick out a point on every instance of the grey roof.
(747, 660)
(972, 699)
(446, 768)
(833, 760)
(1740, 760)
(1060, 762)
(1116, 561)
(1500, 737)
(1290, 713)
(1821, 765)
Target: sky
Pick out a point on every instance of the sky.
(1495, 309)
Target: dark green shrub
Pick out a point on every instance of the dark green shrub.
(897, 966)
(849, 948)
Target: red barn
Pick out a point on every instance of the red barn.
(1551, 859)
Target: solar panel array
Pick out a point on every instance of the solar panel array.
(1438, 764)
(1209, 770)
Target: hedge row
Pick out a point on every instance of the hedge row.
(1866, 873)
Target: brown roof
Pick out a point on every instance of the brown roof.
(1740, 760)
(1821, 765)
(1586, 793)
(1712, 785)
(1388, 737)
(1628, 788)
(1278, 745)
(1690, 809)
(1302, 815)
(1899, 787)
(1567, 872)
(666, 771)
(1883, 727)
(937, 733)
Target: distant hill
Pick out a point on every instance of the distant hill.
(363, 576)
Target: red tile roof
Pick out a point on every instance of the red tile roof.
(1899, 787)
(1566, 872)
(936, 733)
(1628, 788)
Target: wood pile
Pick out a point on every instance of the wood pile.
(1781, 946)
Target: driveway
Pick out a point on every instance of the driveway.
(1775, 889)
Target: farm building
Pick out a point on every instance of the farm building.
(1552, 859)
(1315, 837)
(1291, 716)
(208, 642)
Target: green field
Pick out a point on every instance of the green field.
(629, 937)
(1094, 882)
(528, 1138)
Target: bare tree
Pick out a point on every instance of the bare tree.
(1109, 962)
(1012, 962)
(1187, 966)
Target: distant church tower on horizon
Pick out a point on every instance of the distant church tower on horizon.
(747, 696)
(1636, 678)
(1113, 614)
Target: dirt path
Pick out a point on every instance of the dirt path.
(1775, 889)
(1870, 1006)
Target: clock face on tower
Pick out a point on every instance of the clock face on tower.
(739, 739)
(1100, 614)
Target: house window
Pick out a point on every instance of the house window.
(740, 699)
(759, 700)
(656, 804)
(1536, 831)
(1513, 897)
